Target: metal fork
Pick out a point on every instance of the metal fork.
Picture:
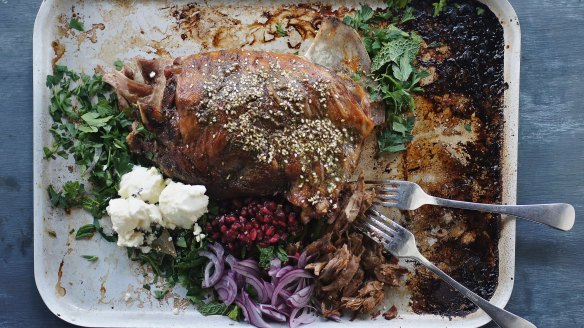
(401, 243)
(407, 195)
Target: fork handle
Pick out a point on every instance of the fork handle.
(560, 216)
(501, 317)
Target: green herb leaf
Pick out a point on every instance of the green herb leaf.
(52, 233)
(119, 65)
(435, 44)
(181, 242)
(468, 127)
(480, 11)
(393, 52)
(267, 254)
(85, 232)
(75, 24)
(145, 286)
(280, 30)
(235, 313)
(159, 294)
(408, 15)
(397, 4)
(212, 308)
(439, 7)
(88, 125)
(90, 258)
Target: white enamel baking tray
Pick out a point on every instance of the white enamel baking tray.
(109, 293)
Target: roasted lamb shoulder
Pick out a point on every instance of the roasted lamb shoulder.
(253, 123)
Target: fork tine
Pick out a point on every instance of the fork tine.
(388, 189)
(387, 197)
(387, 182)
(381, 226)
(376, 231)
(386, 220)
(380, 219)
(387, 204)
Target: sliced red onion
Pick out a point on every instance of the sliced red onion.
(301, 284)
(252, 274)
(283, 308)
(287, 279)
(334, 317)
(301, 298)
(302, 260)
(304, 318)
(251, 311)
(272, 313)
(250, 264)
(275, 266)
(258, 285)
(230, 260)
(218, 249)
(226, 289)
(269, 288)
(284, 270)
(219, 269)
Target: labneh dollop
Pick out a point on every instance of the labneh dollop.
(182, 205)
(147, 199)
(142, 183)
(129, 215)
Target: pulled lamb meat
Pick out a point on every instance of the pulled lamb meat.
(368, 298)
(391, 313)
(351, 270)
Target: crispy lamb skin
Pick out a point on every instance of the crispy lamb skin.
(247, 123)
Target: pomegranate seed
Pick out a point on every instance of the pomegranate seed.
(280, 214)
(292, 218)
(274, 239)
(252, 222)
(271, 206)
(264, 210)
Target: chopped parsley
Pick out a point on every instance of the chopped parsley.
(159, 294)
(75, 24)
(280, 30)
(235, 313)
(90, 258)
(119, 65)
(267, 254)
(85, 232)
(88, 126)
(393, 52)
(439, 7)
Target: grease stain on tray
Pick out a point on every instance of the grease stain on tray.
(59, 289)
(103, 290)
(212, 27)
(59, 50)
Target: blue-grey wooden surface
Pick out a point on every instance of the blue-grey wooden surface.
(549, 283)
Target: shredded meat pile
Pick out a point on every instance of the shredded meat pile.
(351, 270)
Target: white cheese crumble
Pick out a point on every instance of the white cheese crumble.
(124, 224)
(143, 183)
(182, 205)
(132, 215)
